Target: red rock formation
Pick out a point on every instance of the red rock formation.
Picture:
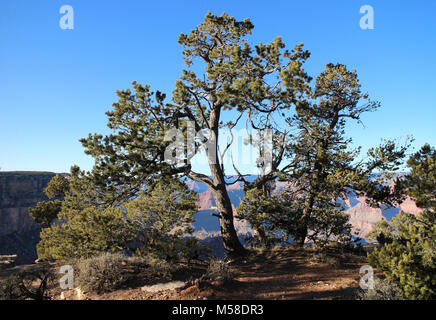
(362, 217)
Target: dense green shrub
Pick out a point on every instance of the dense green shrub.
(407, 256)
(408, 243)
(85, 234)
(153, 224)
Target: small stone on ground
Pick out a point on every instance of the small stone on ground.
(163, 286)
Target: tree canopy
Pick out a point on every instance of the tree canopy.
(252, 81)
(319, 163)
(263, 86)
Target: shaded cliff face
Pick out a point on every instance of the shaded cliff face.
(19, 234)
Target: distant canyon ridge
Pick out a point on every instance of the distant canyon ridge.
(19, 234)
(362, 216)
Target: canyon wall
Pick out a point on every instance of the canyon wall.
(19, 234)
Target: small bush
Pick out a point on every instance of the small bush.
(157, 270)
(383, 290)
(103, 273)
(218, 270)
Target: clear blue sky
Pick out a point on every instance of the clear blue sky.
(55, 85)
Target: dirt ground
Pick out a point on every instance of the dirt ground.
(283, 273)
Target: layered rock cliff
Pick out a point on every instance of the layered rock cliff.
(19, 234)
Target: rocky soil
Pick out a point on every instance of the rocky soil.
(278, 274)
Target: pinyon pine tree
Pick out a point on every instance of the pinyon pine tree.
(320, 166)
(323, 166)
(237, 80)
